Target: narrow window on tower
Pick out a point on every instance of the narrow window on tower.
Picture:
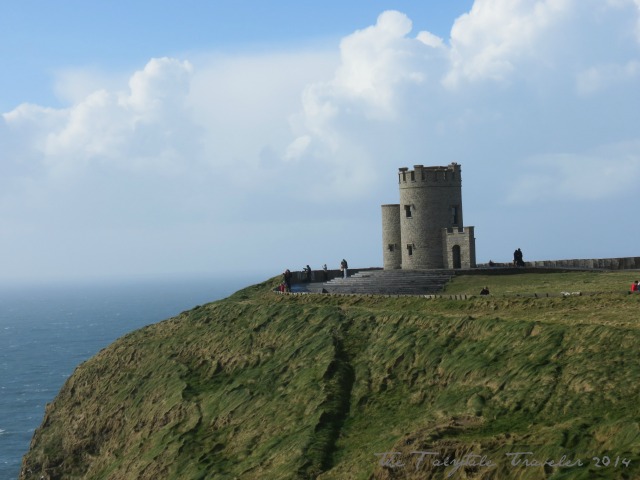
(407, 211)
(409, 250)
(454, 215)
(391, 247)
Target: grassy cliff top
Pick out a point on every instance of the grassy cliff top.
(267, 386)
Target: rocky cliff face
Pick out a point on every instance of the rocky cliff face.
(261, 386)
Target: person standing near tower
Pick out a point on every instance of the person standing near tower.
(344, 267)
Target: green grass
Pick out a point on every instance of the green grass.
(542, 283)
(261, 385)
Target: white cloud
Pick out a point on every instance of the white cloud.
(506, 40)
(535, 60)
(160, 89)
(73, 85)
(297, 148)
(597, 78)
(496, 36)
(372, 60)
(244, 102)
(430, 39)
(130, 129)
(611, 171)
(624, 4)
(379, 60)
(351, 122)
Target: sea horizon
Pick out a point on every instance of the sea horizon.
(49, 328)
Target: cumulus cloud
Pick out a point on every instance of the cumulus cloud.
(513, 76)
(129, 129)
(353, 123)
(376, 63)
(244, 103)
(497, 36)
(501, 73)
(73, 84)
(507, 40)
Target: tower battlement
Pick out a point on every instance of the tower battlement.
(458, 230)
(449, 175)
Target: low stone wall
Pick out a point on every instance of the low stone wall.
(624, 263)
(320, 276)
(627, 263)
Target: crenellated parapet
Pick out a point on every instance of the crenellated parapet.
(422, 176)
(456, 231)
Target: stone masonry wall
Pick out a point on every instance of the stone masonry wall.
(463, 237)
(626, 263)
(391, 240)
(621, 263)
(427, 198)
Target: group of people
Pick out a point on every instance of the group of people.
(287, 276)
(517, 258)
(307, 273)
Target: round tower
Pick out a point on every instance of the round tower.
(430, 200)
(391, 239)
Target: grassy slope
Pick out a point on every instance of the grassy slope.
(266, 386)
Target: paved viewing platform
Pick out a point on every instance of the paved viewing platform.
(376, 281)
(382, 282)
(391, 282)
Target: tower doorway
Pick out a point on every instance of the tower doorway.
(455, 251)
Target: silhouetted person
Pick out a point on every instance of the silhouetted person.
(484, 291)
(307, 271)
(517, 258)
(287, 279)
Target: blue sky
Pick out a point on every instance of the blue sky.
(157, 138)
(40, 38)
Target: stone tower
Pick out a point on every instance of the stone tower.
(425, 231)
(391, 239)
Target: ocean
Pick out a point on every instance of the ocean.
(46, 331)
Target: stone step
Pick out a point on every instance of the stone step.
(390, 282)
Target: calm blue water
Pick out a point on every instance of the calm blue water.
(46, 331)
